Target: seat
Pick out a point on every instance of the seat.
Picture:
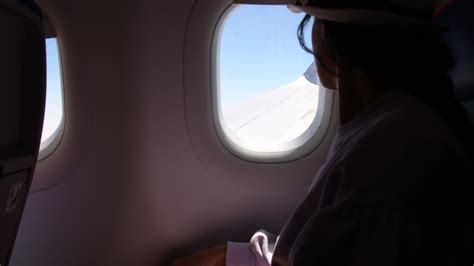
(22, 99)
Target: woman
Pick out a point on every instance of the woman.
(396, 186)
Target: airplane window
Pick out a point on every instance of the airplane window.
(53, 117)
(267, 86)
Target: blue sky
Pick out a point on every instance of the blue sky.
(53, 82)
(259, 52)
(54, 110)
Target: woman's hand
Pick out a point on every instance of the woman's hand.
(210, 257)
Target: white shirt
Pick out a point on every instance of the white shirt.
(389, 172)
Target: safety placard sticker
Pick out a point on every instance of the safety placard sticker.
(13, 197)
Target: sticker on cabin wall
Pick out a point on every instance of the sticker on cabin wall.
(13, 197)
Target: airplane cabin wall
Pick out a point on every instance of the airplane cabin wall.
(126, 184)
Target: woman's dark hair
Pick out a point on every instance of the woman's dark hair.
(416, 63)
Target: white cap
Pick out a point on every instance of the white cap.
(410, 15)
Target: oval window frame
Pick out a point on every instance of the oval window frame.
(50, 144)
(307, 142)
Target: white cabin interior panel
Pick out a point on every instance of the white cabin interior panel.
(140, 175)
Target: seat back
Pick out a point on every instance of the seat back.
(22, 97)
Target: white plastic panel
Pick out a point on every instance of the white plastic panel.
(140, 176)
